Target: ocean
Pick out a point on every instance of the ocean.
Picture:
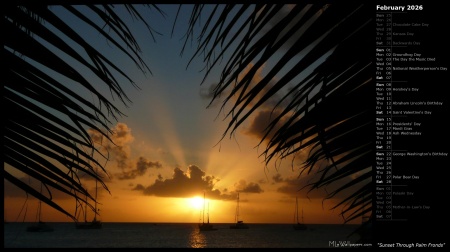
(179, 235)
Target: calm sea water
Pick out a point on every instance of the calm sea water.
(149, 235)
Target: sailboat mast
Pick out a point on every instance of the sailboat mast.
(85, 209)
(95, 203)
(208, 212)
(237, 208)
(40, 206)
(39, 210)
(302, 217)
(204, 202)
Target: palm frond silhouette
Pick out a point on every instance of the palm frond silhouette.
(37, 81)
(326, 112)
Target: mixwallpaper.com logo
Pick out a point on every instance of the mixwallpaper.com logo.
(338, 243)
(347, 244)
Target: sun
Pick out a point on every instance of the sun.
(196, 202)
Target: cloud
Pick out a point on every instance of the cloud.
(251, 187)
(142, 165)
(277, 178)
(139, 187)
(258, 76)
(119, 152)
(119, 149)
(258, 126)
(192, 183)
(207, 93)
(182, 184)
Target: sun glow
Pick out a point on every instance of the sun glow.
(196, 202)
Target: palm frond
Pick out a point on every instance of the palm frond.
(46, 132)
(321, 67)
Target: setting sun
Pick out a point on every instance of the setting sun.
(196, 202)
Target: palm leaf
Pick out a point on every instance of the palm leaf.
(326, 111)
(46, 132)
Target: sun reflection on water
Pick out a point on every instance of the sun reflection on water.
(197, 239)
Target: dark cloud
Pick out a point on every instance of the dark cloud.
(183, 184)
(263, 181)
(274, 100)
(207, 93)
(243, 186)
(259, 124)
(139, 187)
(277, 178)
(142, 165)
(192, 183)
(119, 149)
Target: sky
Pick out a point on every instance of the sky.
(169, 152)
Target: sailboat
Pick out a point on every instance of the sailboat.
(40, 226)
(239, 223)
(297, 224)
(205, 226)
(94, 224)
